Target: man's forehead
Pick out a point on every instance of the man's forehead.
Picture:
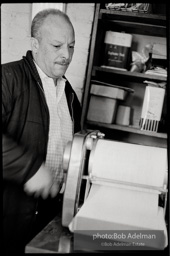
(56, 27)
(56, 21)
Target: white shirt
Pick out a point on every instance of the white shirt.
(60, 126)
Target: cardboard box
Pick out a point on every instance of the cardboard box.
(102, 109)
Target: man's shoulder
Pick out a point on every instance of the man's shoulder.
(13, 75)
(12, 68)
(12, 65)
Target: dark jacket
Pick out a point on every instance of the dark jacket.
(25, 118)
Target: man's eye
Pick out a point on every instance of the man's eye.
(57, 46)
(71, 46)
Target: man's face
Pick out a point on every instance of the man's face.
(56, 46)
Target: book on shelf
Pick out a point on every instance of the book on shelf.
(117, 52)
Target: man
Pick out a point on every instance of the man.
(40, 113)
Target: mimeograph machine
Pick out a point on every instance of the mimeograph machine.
(115, 189)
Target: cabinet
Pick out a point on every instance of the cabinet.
(145, 28)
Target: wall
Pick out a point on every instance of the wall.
(15, 31)
(15, 37)
(81, 16)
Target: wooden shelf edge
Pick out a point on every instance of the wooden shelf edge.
(131, 74)
(130, 129)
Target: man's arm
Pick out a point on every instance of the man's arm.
(18, 164)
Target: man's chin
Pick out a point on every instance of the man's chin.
(58, 75)
(61, 72)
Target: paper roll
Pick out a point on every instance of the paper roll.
(130, 162)
(123, 115)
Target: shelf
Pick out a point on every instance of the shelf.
(144, 24)
(134, 27)
(132, 75)
(130, 129)
(136, 16)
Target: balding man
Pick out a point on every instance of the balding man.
(40, 113)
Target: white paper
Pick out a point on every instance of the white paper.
(130, 163)
(109, 208)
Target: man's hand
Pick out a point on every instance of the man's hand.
(42, 184)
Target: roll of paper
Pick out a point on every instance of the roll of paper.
(123, 115)
(130, 163)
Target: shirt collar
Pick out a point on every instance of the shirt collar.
(41, 73)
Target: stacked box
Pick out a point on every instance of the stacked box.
(103, 103)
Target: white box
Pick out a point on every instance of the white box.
(152, 108)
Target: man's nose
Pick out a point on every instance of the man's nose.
(66, 52)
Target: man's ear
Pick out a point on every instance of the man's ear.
(34, 44)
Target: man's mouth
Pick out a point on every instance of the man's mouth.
(62, 63)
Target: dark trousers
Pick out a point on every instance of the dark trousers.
(24, 216)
